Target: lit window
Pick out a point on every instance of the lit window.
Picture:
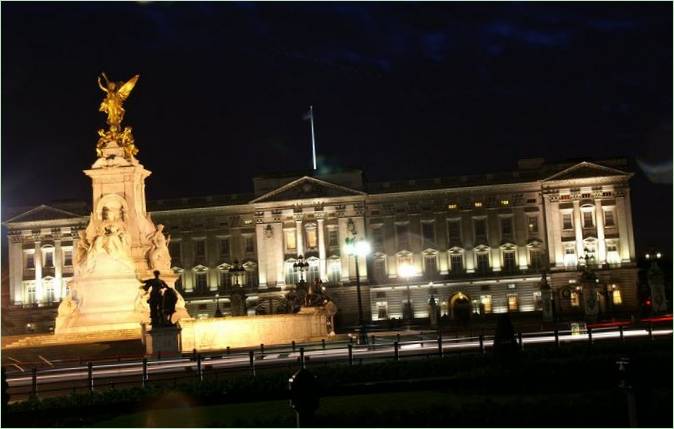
(485, 303)
(312, 241)
(617, 297)
(478, 204)
(505, 202)
(451, 206)
(587, 219)
(575, 299)
(382, 310)
(291, 243)
(567, 221)
(570, 257)
(608, 218)
(533, 224)
(30, 295)
(538, 301)
(30, 261)
(334, 272)
(512, 302)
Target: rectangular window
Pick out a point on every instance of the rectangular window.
(454, 232)
(402, 234)
(67, 258)
(382, 310)
(251, 278)
(200, 248)
(30, 261)
(480, 230)
(312, 241)
(570, 257)
(291, 240)
(567, 221)
(428, 232)
(535, 259)
(431, 265)
(292, 276)
(509, 265)
(483, 262)
(587, 219)
(49, 293)
(533, 224)
(333, 238)
(201, 281)
(378, 237)
(334, 273)
(249, 244)
(617, 297)
(512, 302)
(225, 279)
(507, 227)
(30, 295)
(380, 270)
(224, 248)
(608, 218)
(49, 259)
(538, 301)
(575, 299)
(456, 263)
(485, 304)
(175, 252)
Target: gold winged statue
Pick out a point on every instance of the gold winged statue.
(116, 94)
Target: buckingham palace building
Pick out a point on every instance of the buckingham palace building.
(480, 242)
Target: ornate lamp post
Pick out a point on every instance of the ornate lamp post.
(236, 270)
(358, 247)
(218, 313)
(656, 284)
(300, 267)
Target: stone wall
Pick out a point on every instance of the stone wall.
(251, 331)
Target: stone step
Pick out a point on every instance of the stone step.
(54, 339)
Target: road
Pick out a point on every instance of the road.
(59, 381)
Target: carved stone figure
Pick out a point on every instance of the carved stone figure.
(158, 255)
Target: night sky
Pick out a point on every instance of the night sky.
(400, 90)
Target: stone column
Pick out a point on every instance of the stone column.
(628, 221)
(299, 234)
(601, 242)
(622, 229)
(553, 232)
(261, 253)
(321, 250)
(16, 265)
(58, 270)
(577, 220)
(37, 258)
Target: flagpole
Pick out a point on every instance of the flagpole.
(313, 137)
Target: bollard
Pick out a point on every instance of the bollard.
(33, 390)
(251, 357)
(589, 335)
(398, 337)
(556, 337)
(650, 331)
(622, 336)
(261, 351)
(323, 343)
(396, 351)
(519, 340)
(200, 373)
(228, 351)
(350, 346)
(421, 340)
(293, 343)
(350, 339)
(481, 344)
(90, 377)
(440, 350)
(194, 354)
(144, 372)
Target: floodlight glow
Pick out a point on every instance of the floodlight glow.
(406, 270)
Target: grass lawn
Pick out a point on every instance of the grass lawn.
(415, 409)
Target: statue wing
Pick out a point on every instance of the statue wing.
(126, 89)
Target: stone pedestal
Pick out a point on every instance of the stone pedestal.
(164, 341)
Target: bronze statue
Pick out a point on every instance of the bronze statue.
(116, 94)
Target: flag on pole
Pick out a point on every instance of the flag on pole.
(309, 116)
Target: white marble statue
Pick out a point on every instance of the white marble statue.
(158, 255)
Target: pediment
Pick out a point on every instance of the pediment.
(43, 213)
(586, 170)
(306, 188)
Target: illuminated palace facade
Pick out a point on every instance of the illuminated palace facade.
(479, 239)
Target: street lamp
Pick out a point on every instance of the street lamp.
(407, 271)
(301, 266)
(236, 270)
(358, 247)
(218, 313)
